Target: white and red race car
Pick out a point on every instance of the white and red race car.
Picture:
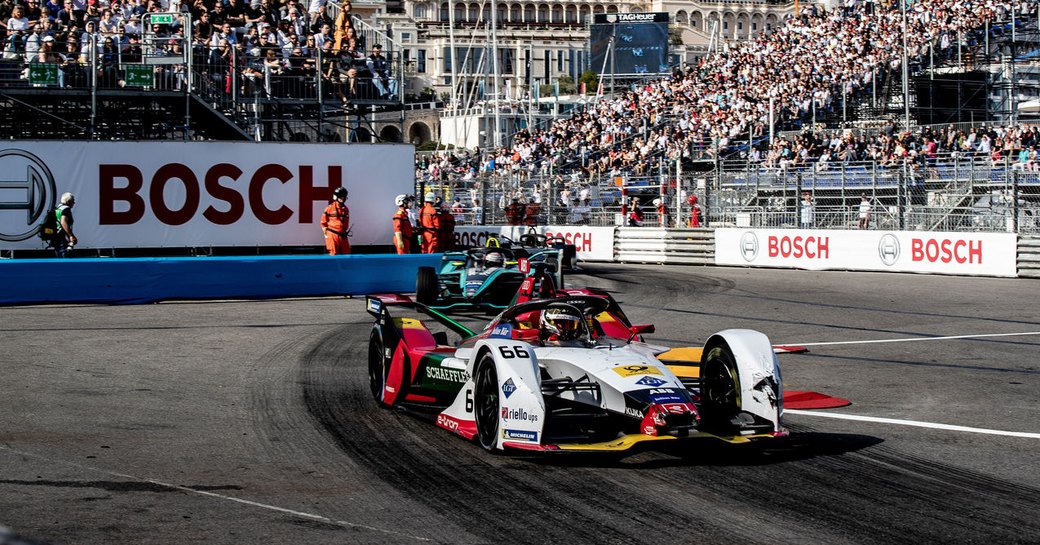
(600, 387)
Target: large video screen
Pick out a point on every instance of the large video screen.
(640, 43)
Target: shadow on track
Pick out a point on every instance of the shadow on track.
(714, 453)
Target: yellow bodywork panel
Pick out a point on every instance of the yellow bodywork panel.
(621, 443)
(628, 441)
(685, 354)
(408, 323)
(684, 362)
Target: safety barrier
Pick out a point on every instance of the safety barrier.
(1029, 257)
(100, 280)
(658, 245)
(142, 280)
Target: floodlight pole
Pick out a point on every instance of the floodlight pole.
(607, 58)
(906, 71)
(494, 61)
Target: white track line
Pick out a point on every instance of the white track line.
(916, 339)
(320, 518)
(914, 423)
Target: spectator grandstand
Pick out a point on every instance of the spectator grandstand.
(797, 73)
(721, 110)
(283, 54)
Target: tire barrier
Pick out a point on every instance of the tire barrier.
(146, 280)
(658, 245)
(1029, 257)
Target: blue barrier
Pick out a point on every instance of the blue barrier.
(146, 280)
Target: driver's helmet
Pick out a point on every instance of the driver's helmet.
(494, 259)
(562, 321)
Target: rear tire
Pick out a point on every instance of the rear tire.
(426, 285)
(486, 405)
(377, 370)
(720, 388)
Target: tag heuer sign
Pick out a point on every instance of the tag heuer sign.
(43, 74)
(139, 75)
(162, 18)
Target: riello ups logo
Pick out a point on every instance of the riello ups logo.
(27, 194)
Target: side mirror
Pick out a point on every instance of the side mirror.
(524, 265)
(642, 328)
(638, 330)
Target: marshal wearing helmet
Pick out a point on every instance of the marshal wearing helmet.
(335, 223)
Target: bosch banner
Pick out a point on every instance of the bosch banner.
(968, 253)
(199, 194)
(591, 243)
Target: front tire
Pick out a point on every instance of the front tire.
(720, 388)
(426, 285)
(486, 405)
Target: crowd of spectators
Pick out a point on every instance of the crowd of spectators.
(889, 148)
(801, 69)
(261, 40)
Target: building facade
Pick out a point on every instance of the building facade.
(541, 43)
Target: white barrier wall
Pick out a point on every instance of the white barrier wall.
(982, 254)
(592, 243)
(200, 194)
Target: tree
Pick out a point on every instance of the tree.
(567, 87)
(591, 80)
(433, 145)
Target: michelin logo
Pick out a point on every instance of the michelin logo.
(522, 435)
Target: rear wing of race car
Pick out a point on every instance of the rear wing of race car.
(377, 305)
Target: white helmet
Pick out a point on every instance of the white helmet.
(494, 259)
(430, 197)
(400, 200)
(564, 321)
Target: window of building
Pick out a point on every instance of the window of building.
(505, 60)
(420, 62)
(559, 62)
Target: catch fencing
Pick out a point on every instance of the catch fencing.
(958, 193)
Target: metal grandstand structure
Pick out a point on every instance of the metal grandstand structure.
(168, 86)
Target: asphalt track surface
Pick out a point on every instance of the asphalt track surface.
(247, 422)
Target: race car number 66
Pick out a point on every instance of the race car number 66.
(514, 352)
